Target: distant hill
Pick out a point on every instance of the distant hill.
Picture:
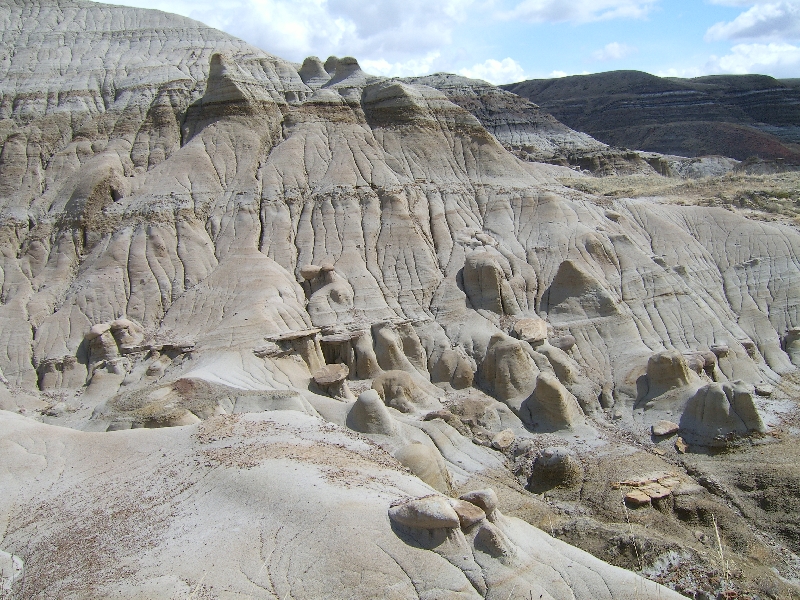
(733, 115)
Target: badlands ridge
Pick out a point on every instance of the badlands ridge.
(294, 331)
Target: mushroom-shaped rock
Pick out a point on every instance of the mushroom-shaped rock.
(370, 415)
(310, 272)
(533, 330)
(667, 370)
(551, 407)
(398, 390)
(430, 512)
(720, 350)
(426, 463)
(555, 467)
(695, 362)
(468, 513)
(333, 379)
(484, 499)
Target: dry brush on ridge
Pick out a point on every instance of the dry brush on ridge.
(295, 331)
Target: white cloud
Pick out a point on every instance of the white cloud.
(580, 11)
(770, 21)
(496, 71)
(687, 72)
(614, 51)
(395, 31)
(408, 68)
(778, 59)
(557, 74)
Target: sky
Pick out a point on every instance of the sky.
(504, 41)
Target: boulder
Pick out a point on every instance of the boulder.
(431, 512)
(485, 499)
(333, 380)
(468, 513)
(664, 428)
(503, 440)
(532, 330)
(717, 411)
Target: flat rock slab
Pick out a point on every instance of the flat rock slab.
(330, 374)
(655, 491)
(636, 498)
(664, 428)
(431, 512)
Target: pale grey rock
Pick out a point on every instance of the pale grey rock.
(667, 371)
(793, 345)
(531, 330)
(370, 415)
(399, 390)
(716, 412)
(503, 440)
(427, 464)
(551, 407)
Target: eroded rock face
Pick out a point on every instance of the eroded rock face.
(195, 233)
(716, 412)
(551, 407)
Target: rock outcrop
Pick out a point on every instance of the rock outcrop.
(342, 297)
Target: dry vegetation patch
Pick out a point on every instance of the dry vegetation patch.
(774, 197)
